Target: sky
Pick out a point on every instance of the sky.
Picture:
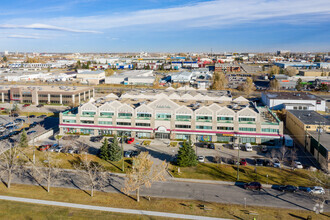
(164, 25)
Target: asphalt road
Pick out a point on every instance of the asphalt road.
(206, 192)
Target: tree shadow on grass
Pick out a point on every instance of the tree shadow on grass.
(296, 216)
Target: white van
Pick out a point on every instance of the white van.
(248, 147)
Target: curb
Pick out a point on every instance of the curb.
(214, 182)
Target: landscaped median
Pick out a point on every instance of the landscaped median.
(203, 171)
(222, 172)
(17, 210)
(67, 161)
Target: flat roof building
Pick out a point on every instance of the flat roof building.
(293, 101)
(305, 127)
(163, 118)
(45, 94)
(91, 77)
(133, 77)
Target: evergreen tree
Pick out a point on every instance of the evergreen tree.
(104, 151)
(186, 155)
(23, 141)
(115, 152)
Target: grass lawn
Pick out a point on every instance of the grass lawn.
(67, 161)
(246, 174)
(19, 211)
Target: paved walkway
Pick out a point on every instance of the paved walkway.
(107, 209)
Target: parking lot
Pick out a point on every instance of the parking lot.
(34, 108)
(33, 126)
(160, 151)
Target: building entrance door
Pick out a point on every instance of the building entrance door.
(162, 135)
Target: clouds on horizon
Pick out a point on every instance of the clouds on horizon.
(212, 14)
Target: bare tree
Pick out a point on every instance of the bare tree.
(219, 81)
(291, 71)
(46, 170)
(283, 152)
(143, 173)
(92, 174)
(320, 178)
(248, 86)
(9, 163)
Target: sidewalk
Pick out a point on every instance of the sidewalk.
(107, 209)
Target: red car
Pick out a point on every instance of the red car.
(253, 186)
(130, 140)
(3, 109)
(243, 162)
(44, 147)
(26, 105)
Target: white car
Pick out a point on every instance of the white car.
(235, 146)
(317, 190)
(248, 147)
(298, 165)
(201, 159)
(276, 163)
(58, 149)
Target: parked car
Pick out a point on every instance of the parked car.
(31, 132)
(243, 162)
(32, 116)
(298, 165)
(40, 105)
(259, 162)
(253, 186)
(33, 125)
(264, 149)
(276, 163)
(130, 140)
(14, 115)
(288, 188)
(26, 105)
(42, 116)
(268, 163)
(201, 159)
(317, 190)
(134, 153)
(236, 146)
(211, 146)
(58, 149)
(44, 147)
(96, 139)
(19, 120)
(71, 151)
(9, 124)
(128, 153)
(248, 147)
